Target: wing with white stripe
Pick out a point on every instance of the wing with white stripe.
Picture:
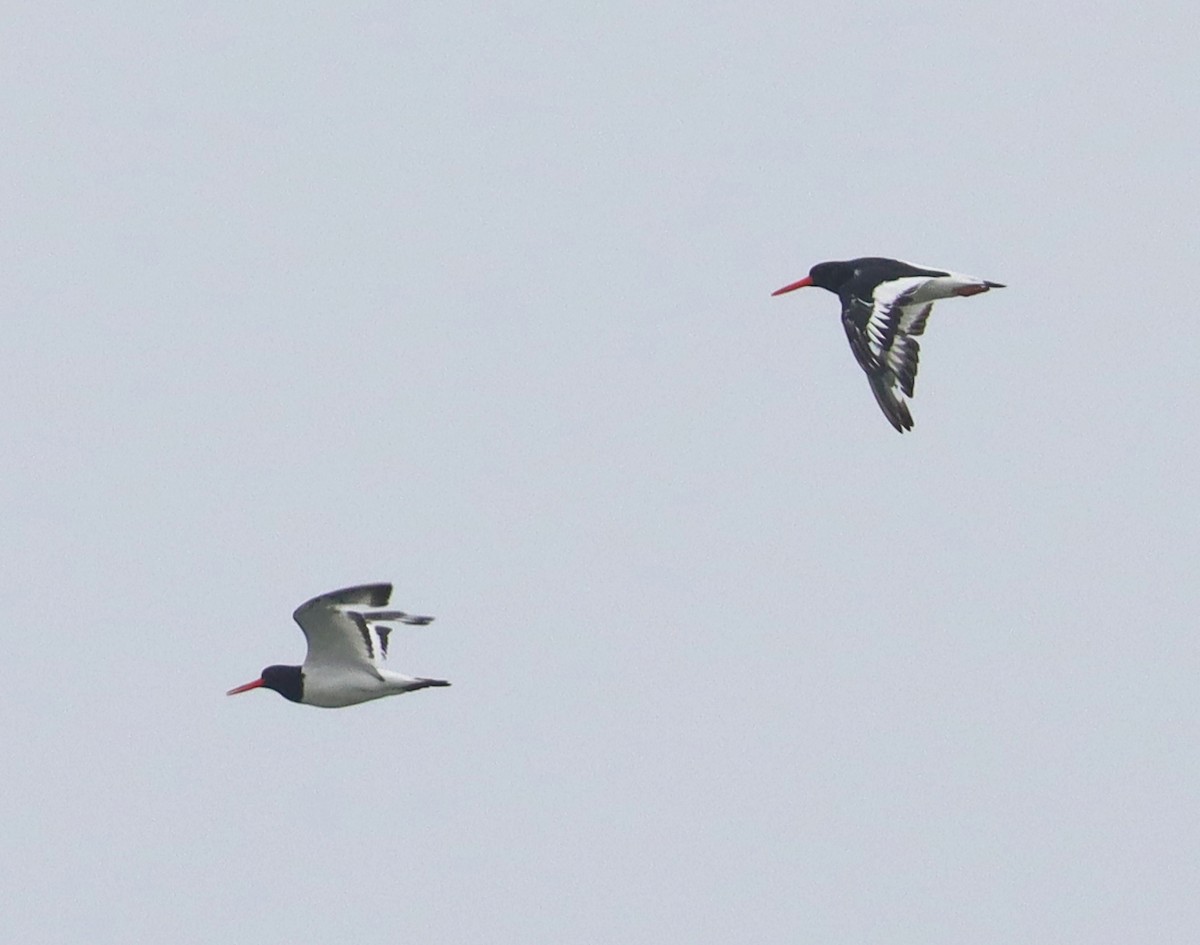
(347, 629)
(883, 336)
(334, 637)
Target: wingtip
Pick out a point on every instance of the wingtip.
(380, 594)
(894, 409)
(362, 595)
(398, 616)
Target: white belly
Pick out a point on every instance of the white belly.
(336, 690)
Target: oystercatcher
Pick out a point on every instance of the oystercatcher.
(885, 303)
(346, 644)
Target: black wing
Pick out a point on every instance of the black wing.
(882, 334)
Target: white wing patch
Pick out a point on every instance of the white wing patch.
(883, 335)
(349, 629)
(888, 293)
(893, 325)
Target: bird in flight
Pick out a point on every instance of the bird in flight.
(347, 634)
(885, 303)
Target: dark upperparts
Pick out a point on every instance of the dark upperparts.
(867, 270)
(288, 681)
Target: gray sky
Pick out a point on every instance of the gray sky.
(476, 299)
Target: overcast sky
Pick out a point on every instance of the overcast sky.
(475, 298)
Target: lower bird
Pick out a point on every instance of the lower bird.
(347, 634)
(885, 303)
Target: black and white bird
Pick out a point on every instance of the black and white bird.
(347, 634)
(885, 303)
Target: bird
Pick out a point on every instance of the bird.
(885, 304)
(347, 634)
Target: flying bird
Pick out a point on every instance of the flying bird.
(347, 634)
(885, 303)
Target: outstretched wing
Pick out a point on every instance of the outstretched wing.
(346, 629)
(883, 336)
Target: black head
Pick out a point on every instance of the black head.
(827, 275)
(288, 681)
(831, 275)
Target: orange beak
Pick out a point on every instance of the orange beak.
(806, 281)
(245, 688)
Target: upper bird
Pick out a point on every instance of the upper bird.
(346, 644)
(885, 303)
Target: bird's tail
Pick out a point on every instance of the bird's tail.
(976, 288)
(426, 683)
